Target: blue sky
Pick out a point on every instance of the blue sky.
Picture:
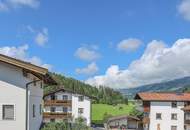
(80, 38)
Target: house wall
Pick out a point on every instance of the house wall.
(166, 110)
(76, 104)
(13, 91)
(35, 98)
(86, 105)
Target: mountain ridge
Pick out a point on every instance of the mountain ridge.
(176, 85)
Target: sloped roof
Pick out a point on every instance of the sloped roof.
(63, 89)
(28, 67)
(156, 96)
(122, 117)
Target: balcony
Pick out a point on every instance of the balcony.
(63, 115)
(187, 121)
(58, 103)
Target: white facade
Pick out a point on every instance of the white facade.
(166, 110)
(74, 109)
(13, 92)
(85, 105)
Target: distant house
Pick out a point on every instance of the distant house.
(21, 92)
(124, 122)
(165, 111)
(65, 105)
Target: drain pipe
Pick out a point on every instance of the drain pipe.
(27, 88)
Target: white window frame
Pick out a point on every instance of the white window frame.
(1, 106)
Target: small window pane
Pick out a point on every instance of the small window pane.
(65, 109)
(158, 116)
(80, 110)
(65, 97)
(174, 116)
(8, 112)
(34, 110)
(40, 109)
(187, 116)
(174, 104)
(52, 109)
(81, 98)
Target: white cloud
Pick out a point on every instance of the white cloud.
(184, 9)
(87, 53)
(42, 37)
(21, 53)
(12, 4)
(130, 44)
(89, 70)
(158, 63)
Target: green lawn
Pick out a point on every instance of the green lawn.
(98, 110)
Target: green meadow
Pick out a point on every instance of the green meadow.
(98, 110)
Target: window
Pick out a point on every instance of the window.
(65, 109)
(40, 109)
(34, 81)
(52, 120)
(65, 97)
(53, 97)
(174, 116)
(8, 112)
(187, 116)
(81, 110)
(174, 104)
(34, 110)
(41, 84)
(173, 127)
(52, 109)
(81, 98)
(158, 116)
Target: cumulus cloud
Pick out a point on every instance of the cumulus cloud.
(87, 53)
(89, 70)
(42, 37)
(184, 9)
(130, 44)
(158, 63)
(11, 4)
(21, 53)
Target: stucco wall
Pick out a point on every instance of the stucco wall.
(86, 105)
(166, 110)
(12, 91)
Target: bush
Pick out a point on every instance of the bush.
(65, 126)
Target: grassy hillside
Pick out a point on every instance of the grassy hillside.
(99, 110)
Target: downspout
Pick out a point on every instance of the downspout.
(27, 87)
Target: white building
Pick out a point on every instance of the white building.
(21, 94)
(63, 105)
(165, 111)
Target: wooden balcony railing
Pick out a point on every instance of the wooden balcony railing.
(63, 115)
(187, 121)
(58, 103)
